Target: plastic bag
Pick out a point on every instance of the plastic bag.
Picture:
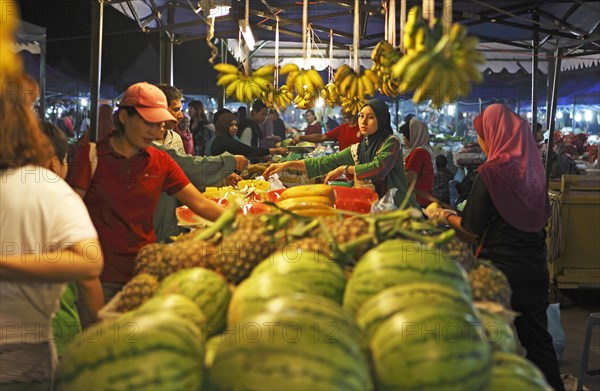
(275, 182)
(385, 203)
(555, 329)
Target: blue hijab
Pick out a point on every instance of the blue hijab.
(368, 147)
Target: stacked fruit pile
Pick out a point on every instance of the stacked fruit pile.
(280, 301)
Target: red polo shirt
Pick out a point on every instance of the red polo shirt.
(121, 199)
(345, 135)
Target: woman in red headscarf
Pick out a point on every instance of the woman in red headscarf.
(505, 216)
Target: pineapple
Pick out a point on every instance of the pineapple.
(149, 258)
(139, 289)
(488, 283)
(317, 245)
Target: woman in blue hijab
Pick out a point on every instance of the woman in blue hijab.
(376, 161)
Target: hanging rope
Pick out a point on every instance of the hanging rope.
(447, 16)
(214, 51)
(356, 34)
(393, 22)
(386, 18)
(429, 11)
(402, 22)
(276, 77)
(304, 28)
(247, 18)
(330, 73)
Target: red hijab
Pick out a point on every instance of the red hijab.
(513, 173)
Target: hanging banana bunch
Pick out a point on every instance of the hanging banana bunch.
(245, 88)
(305, 83)
(330, 95)
(384, 56)
(436, 66)
(278, 98)
(352, 105)
(351, 84)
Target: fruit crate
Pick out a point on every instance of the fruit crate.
(577, 206)
(109, 311)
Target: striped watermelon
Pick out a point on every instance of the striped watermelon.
(175, 304)
(206, 288)
(513, 372)
(397, 262)
(252, 293)
(324, 275)
(498, 332)
(161, 351)
(288, 352)
(430, 348)
(399, 298)
(330, 314)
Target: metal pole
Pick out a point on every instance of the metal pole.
(549, 88)
(221, 89)
(534, 75)
(95, 64)
(166, 51)
(552, 113)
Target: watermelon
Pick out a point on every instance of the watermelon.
(397, 262)
(513, 372)
(252, 293)
(288, 352)
(390, 301)
(161, 351)
(175, 304)
(324, 275)
(327, 312)
(430, 348)
(206, 288)
(498, 332)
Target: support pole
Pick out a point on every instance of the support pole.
(221, 89)
(95, 64)
(552, 113)
(534, 75)
(166, 51)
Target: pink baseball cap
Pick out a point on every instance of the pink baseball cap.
(149, 101)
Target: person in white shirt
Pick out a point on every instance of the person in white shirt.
(47, 238)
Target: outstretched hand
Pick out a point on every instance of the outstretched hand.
(438, 215)
(279, 167)
(335, 174)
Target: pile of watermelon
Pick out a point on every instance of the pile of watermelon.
(404, 319)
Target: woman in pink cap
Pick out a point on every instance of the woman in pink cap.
(505, 216)
(122, 191)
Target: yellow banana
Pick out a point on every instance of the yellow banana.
(342, 72)
(264, 84)
(314, 77)
(231, 88)
(290, 203)
(373, 77)
(288, 68)
(369, 88)
(266, 71)
(457, 32)
(345, 84)
(225, 68)
(307, 190)
(227, 78)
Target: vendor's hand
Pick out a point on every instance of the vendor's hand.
(438, 215)
(277, 168)
(233, 179)
(241, 162)
(335, 174)
(278, 151)
(296, 138)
